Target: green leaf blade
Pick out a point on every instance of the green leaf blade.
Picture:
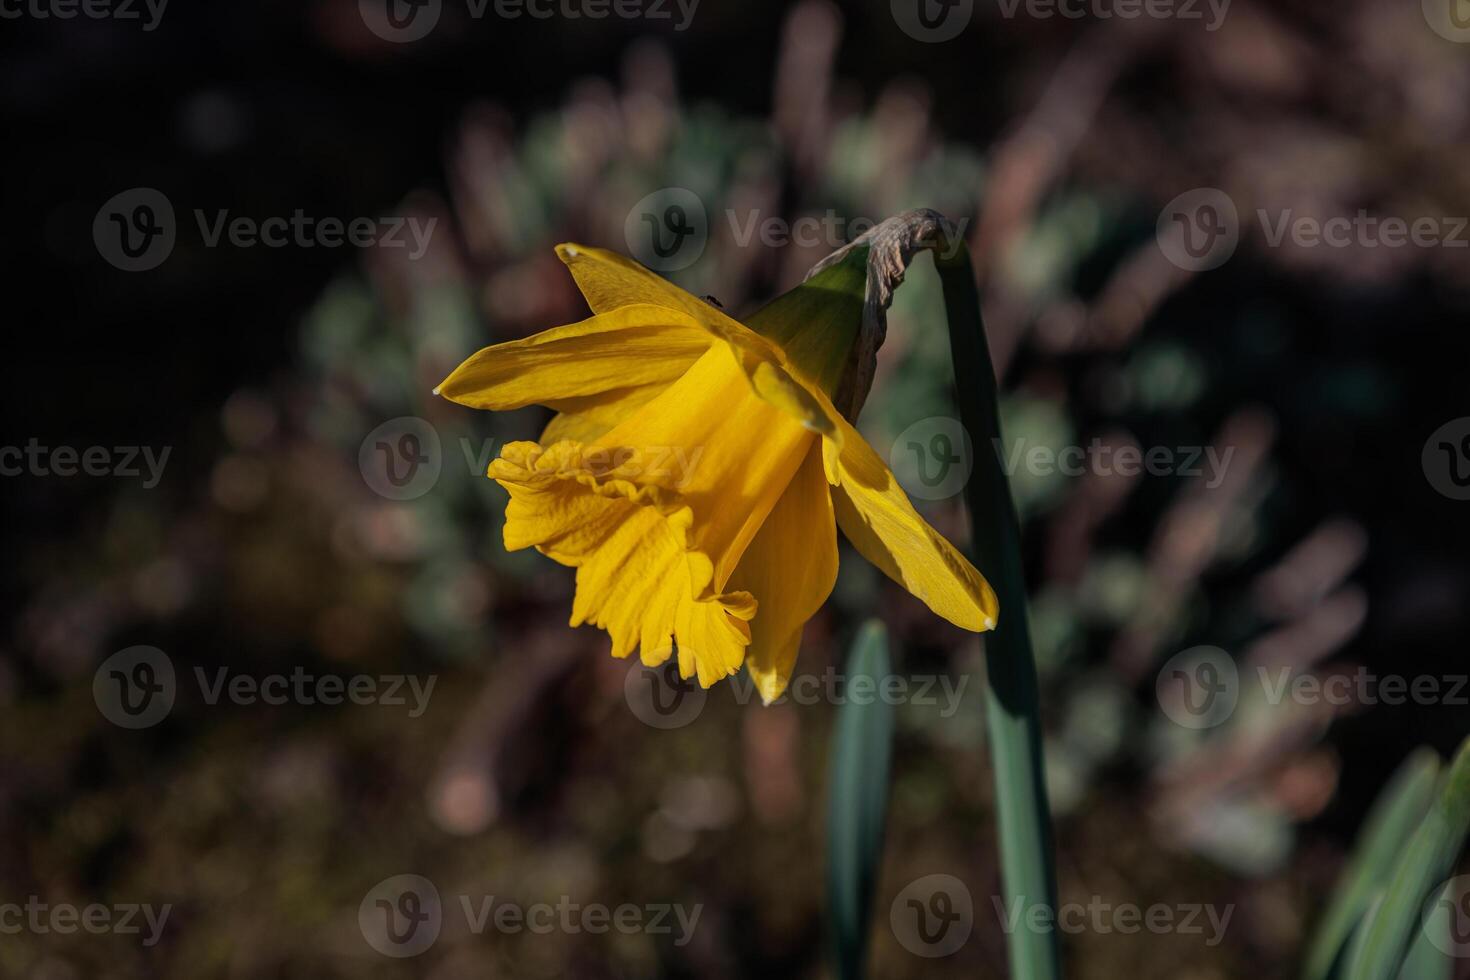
(1422, 866)
(857, 803)
(1398, 809)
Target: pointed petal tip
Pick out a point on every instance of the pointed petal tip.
(770, 687)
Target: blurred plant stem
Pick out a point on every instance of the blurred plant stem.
(1013, 711)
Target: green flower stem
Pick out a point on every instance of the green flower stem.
(1013, 713)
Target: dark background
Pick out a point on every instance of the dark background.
(266, 827)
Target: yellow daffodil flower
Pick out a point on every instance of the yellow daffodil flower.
(696, 470)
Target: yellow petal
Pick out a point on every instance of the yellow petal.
(630, 347)
(730, 453)
(628, 538)
(876, 516)
(789, 568)
(816, 323)
(610, 282)
(585, 419)
(777, 386)
(656, 513)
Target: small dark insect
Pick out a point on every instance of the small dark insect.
(714, 302)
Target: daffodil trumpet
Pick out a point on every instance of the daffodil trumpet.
(720, 564)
